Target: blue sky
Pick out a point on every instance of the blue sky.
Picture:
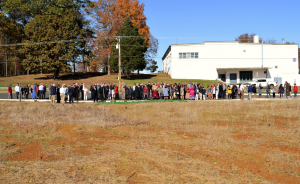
(196, 21)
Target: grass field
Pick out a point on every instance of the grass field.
(192, 142)
(92, 78)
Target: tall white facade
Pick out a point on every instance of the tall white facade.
(232, 61)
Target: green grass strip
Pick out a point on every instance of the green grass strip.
(147, 101)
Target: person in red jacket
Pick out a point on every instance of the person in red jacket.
(295, 90)
(145, 90)
(116, 92)
(155, 94)
(9, 92)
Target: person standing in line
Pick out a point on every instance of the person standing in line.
(85, 91)
(26, 91)
(217, 91)
(250, 91)
(187, 93)
(10, 92)
(17, 90)
(185, 86)
(38, 92)
(82, 86)
(145, 89)
(41, 91)
(44, 91)
(62, 92)
(285, 89)
(71, 92)
(31, 92)
(288, 91)
(166, 92)
(58, 93)
(192, 92)
(209, 95)
(94, 92)
(203, 93)
(229, 91)
(281, 90)
(234, 91)
(213, 91)
(220, 92)
(200, 92)
(268, 90)
(295, 90)
(141, 87)
(116, 92)
(53, 93)
(34, 91)
(181, 92)
(254, 91)
(149, 86)
(224, 90)
(260, 90)
(273, 91)
(242, 90)
(197, 91)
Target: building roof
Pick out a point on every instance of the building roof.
(208, 42)
(246, 68)
(167, 52)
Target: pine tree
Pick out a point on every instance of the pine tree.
(133, 49)
(53, 20)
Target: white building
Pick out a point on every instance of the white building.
(232, 61)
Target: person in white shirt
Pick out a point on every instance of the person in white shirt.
(85, 90)
(41, 91)
(62, 92)
(242, 90)
(17, 90)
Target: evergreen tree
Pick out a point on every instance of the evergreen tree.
(133, 49)
(53, 20)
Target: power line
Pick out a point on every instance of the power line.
(72, 40)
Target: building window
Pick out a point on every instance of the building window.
(188, 55)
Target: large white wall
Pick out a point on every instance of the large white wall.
(214, 55)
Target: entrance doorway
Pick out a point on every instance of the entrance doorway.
(233, 78)
(246, 76)
(222, 77)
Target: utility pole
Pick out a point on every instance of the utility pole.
(120, 63)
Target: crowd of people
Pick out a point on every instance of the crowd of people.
(107, 91)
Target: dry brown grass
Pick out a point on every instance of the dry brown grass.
(194, 142)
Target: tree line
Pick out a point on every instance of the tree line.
(93, 27)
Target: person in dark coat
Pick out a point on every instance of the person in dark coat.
(58, 94)
(234, 91)
(94, 92)
(137, 92)
(141, 88)
(221, 91)
(71, 92)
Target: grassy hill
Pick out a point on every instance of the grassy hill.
(91, 78)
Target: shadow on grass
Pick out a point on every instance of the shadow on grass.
(138, 77)
(76, 76)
